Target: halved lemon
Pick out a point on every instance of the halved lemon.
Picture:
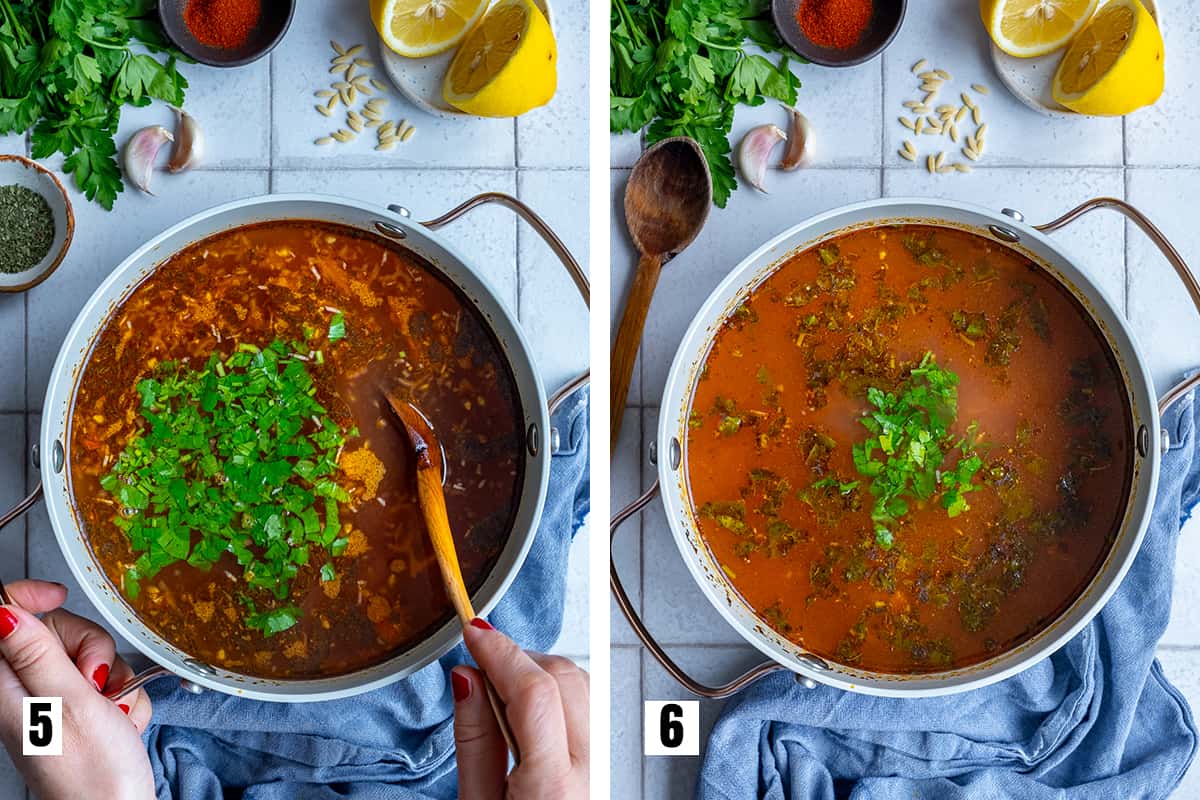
(419, 28)
(507, 65)
(1115, 64)
(1028, 28)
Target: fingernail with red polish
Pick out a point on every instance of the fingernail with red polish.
(482, 624)
(461, 686)
(124, 708)
(8, 623)
(100, 677)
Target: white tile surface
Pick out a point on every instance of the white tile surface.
(674, 778)
(488, 235)
(1164, 320)
(1166, 132)
(301, 66)
(555, 135)
(949, 35)
(625, 723)
(551, 310)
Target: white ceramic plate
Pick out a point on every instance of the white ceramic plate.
(420, 79)
(1029, 79)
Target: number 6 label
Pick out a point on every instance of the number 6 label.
(672, 728)
(41, 726)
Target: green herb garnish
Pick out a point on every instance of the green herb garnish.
(679, 67)
(237, 457)
(337, 327)
(911, 441)
(66, 69)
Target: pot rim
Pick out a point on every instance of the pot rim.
(765, 260)
(75, 352)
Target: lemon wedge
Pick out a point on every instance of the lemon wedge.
(1028, 28)
(419, 28)
(1115, 64)
(506, 65)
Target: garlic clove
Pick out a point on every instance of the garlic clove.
(140, 152)
(189, 142)
(755, 149)
(800, 142)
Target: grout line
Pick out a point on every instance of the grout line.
(271, 122)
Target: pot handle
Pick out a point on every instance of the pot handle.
(639, 627)
(1175, 393)
(542, 229)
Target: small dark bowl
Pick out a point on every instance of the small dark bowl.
(272, 24)
(883, 27)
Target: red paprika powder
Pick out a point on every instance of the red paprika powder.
(224, 24)
(836, 24)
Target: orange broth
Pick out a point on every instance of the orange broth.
(792, 366)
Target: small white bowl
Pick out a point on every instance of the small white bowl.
(32, 175)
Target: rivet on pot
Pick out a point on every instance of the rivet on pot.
(1012, 212)
(192, 688)
(533, 440)
(35, 456)
(1004, 234)
(390, 230)
(805, 681)
(199, 666)
(812, 662)
(1164, 440)
(654, 453)
(396, 208)
(555, 441)
(676, 454)
(58, 456)
(1143, 441)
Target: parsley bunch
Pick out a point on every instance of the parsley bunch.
(235, 457)
(66, 68)
(679, 67)
(910, 442)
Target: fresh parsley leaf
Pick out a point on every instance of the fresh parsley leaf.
(907, 454)
(328, 573)
(337, 327)
(680, 67)
(66, 69)
(273, 622)
(234, 457)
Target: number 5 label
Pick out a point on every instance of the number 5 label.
(41, 726)
(672, 728)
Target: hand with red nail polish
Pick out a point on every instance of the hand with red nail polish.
(63, 655)
(546, 701)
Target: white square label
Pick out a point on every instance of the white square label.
(672, 728)
(41, 726)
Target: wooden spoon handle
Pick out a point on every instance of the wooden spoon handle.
(433, 506)
(629, 338)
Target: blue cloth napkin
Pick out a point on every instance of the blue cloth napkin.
(1096, 720)
(395, 743)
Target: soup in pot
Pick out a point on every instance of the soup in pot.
(909, 449)
(237, 472)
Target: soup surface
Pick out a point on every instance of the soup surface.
(371, 316)
(909, 449)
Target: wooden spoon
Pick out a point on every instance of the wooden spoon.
(433, 506)
(666, 203)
